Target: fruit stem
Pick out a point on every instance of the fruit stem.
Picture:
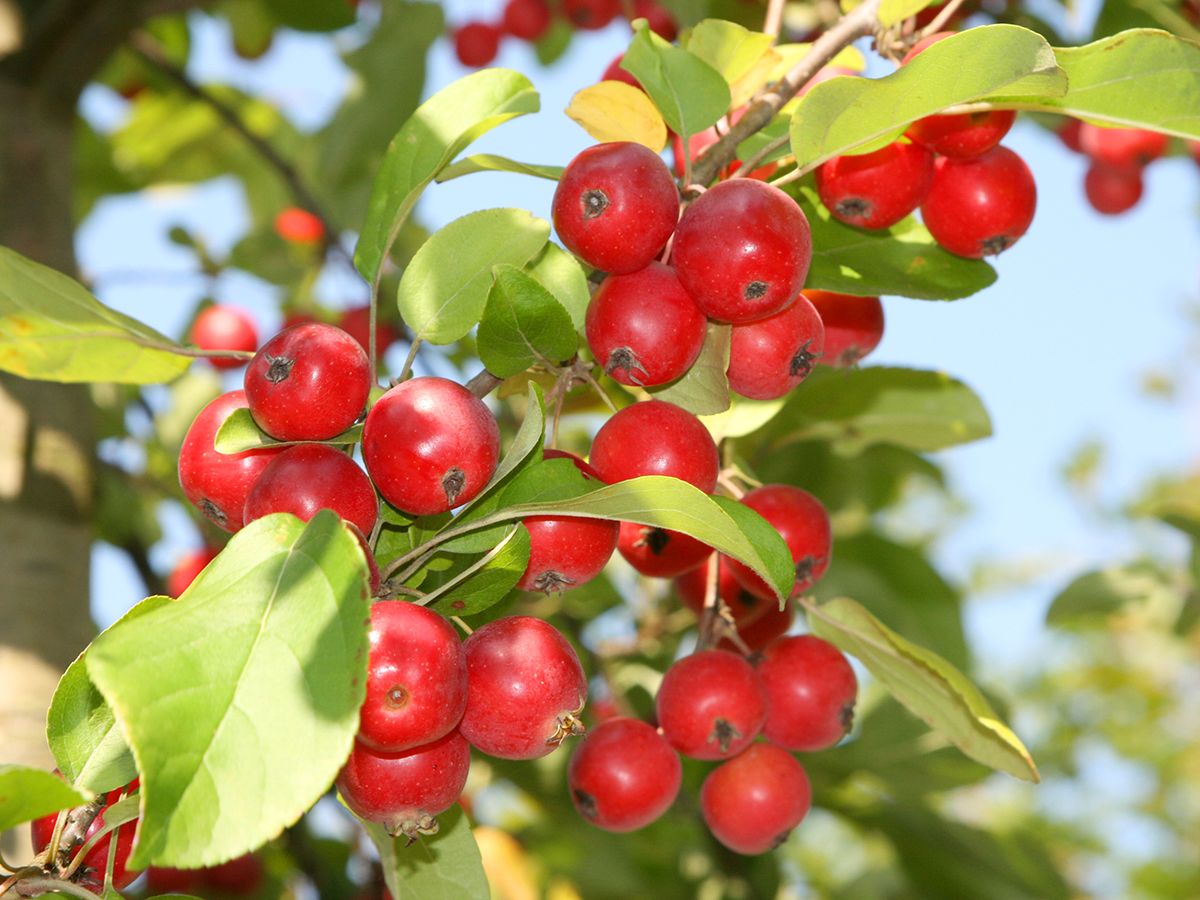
(408, 361)
(755, 161)
(483, 384)
(940, 19)
(710, 613)
(774, 18)
(35, 887)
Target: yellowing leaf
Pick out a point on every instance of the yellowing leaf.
(615, 111)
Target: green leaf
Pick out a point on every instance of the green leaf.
(930, 687)
(892, 12)
(51, 328)
(266, 652)
(560, 273)
(438, 131)
(903, 260)
(84, 737)
(240, 432)
(488, 162)
(728, 47)
(1141, 78)
(703, 390)
(445, 287)
(27, 794)
(522, 324)
(690, 94)
(1095, 596)
(444, 866)
(481, 583)
(861, 114)
(854, 408)
(312, 15)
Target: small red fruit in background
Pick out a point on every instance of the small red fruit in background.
(752, 802)
(853, 325)
(221, 327)
(416, 678)
(1112, 191)
(299, 226)
(190, 565)
(802, 521)
(356, 322)
(430, 445)
(1194, 149)
(1068, 132)
(614, 72)
(1122, 148)
(711, 705)
(119, 843)
(980, 207)
(742, 250)
(525, 688)
(615, 206)
(769, 357)
(591, 15)
(659, 552)
(654, 437)
(658, 17)
(307, 478)
(623, 775)
(876, 190)
(218, 483)
(476, 43)
(526, 19)
(405, 791)
(308, 383)
(643, 328)
(810, 689)
(240, 876)
(744, 606)
(761, 630)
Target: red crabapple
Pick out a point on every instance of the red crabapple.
(188, 569)
(980, 207)
(643, 328)
(711, 705)
(590, 15)
(769, 357)
(240, 876)
(802, 521)
(429, 445)
(1111, 191)
(623, 775)
(810, 689)
(91, 872)
(221, 327)
(356, 322)
(566, 551)
(476, 43)
(654, 437)
(310, 382)
(299, 226)
(853, 325)
(615, 206)
(416, 678)
(876, 190)
(526, 19)
(758, 632)
(752, 803)
(745, 607)
(658, 17)
(1122, 148)
(742, 250)
(614, 72)
(525, 688)
(307, 478)
(659, 552)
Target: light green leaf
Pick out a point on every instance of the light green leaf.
(52, 329)
(240, 432)
(444, 866)
(743, 417)
(489, 162)
(313, 15)
(930, 687)
(445, 287)
(265, 652)
(892, 12)
(27, 794)
(560, 274)
(479, 584)
(860, 114)
(522, 324)
(438, 131)
(1097, 595)
(84, 737)
(903, 260)
(728, 47)
(703, 390)
(690, 94)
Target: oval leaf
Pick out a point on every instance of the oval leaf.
(728, 47)
(240, 432)
(475, 585)
(522, 325)
(615, 111)
(444, 866)
(703, 390)
(445, 287)
(489, 162)
(560, 273)
(27, 794)
(265, 653)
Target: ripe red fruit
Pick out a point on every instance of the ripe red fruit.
(590, 15)
(742, 250)
(119, 842)
(188, 568)
(299, 226)
(1121, 148)
(416, 678)
(221, 327)
(614, 72)
(810, 693)
(430, 445)
(1194, 149)
(240, 876)
(802, 521)
(356, 322)
(769, 357)
(711, 705)
(876, 190)
(476, 43)
(654, 437)
(310, 382)
(623, 775)
(525, 688)
(752, 802)
(658, 17)
(404, 792)
(659, 552)
(217, 483)
(744, 606)
(307, 478)
(1068, 132)
(853, 325)
(615, 206)
(1111, 191)
(980, 207)
(758, 632)
(566, 551)
(526, 19)
(643, 328)
(172, 881)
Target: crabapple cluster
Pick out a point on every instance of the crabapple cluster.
(89, 871)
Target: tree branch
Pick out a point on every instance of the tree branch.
(859, 22)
